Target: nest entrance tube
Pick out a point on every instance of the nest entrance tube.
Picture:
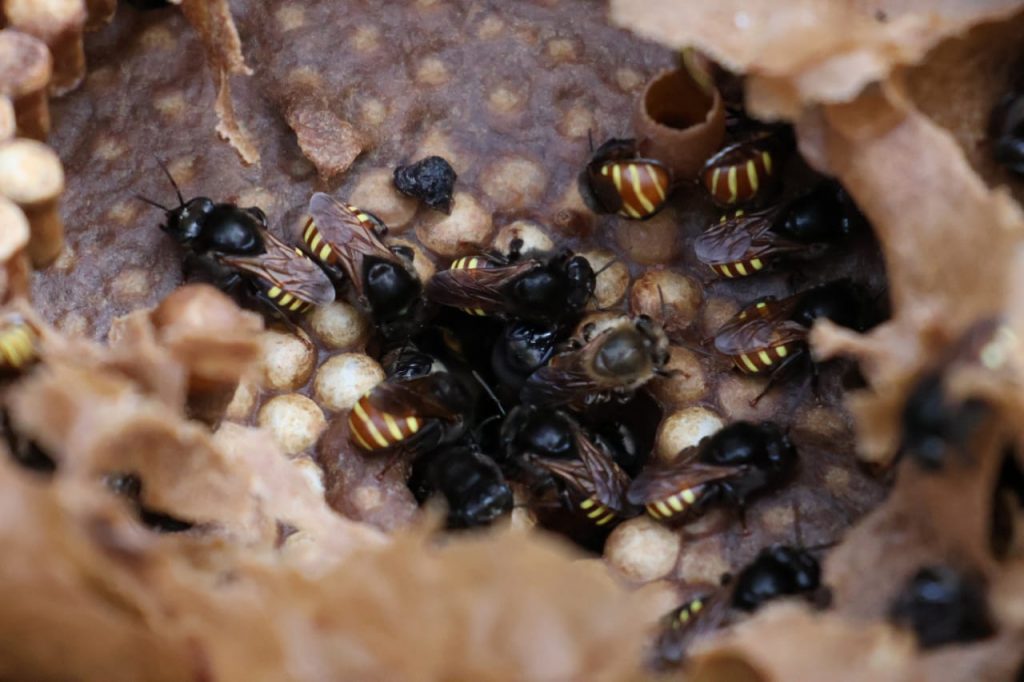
(679, 123)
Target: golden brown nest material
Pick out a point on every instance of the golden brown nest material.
(32, 177)
(59, 24)
(216, 29)
(25, 71)
(796, 53)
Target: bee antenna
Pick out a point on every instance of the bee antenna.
(797, 526)
(152, 203)
(167, 172)
(481, 425)
(661, 298)
(590, 139)
(604, 267)
(487, 389)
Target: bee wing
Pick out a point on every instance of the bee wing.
(411, 398)
(560, 382)
(658, 482)
(287, 268)
(742, 238)
(609, 481)
(477, 288)
(350, 238)
(754, 329)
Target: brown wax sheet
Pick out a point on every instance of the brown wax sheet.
(212, 20)
(801, 52)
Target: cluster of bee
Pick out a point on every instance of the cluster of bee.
(496, 382)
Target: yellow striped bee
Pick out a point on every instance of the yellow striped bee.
(410, 416)
(748, 243)
(748, 170)
(619, 180)
(771, 334)
(536, 287)
(593, 486)
(18, 343)
(347, 242)
(234, 248)
(777, 572)
(739, 461)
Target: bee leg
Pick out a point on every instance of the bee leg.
(781, 372)
(403, 252)
(257, 213)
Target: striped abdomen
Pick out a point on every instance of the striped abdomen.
(763, 360)
(470, 263)
(596, 512)
(761, 308)
(735, 175)
(316, 244)
(284, 299)
(743, 268)
(17, 345)
(373, 430)
(322, 249)
(675, 504)
(642, 186)
(687, 612)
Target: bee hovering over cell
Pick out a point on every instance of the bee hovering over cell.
(536, 287)
(619, 179)
(751, 242)
(769, 337)
(232, 247)
(347, 242)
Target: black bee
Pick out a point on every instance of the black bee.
(942, 605)
(411, 416)
(619, 180)
(751, 242)
(471, 484)
(536, 287)
(347, 241)
(934, 423)
(521, 349)
(589, 482)
(729, 467)
(777, 571)
(129, 487)
(770, 336)
(1006, 127)
(749, 170)
(610, 359)
(234, 248)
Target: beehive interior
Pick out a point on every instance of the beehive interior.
(509, 94)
